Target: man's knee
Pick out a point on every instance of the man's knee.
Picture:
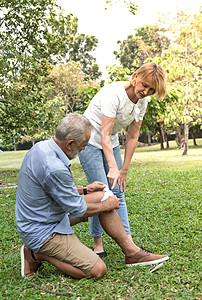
(99, 269)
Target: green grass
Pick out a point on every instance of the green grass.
(164, 192)
(11, 159)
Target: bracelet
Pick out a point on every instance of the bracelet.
(84, 189)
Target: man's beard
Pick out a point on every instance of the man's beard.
(73, 154)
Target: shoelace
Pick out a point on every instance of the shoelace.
(148, 251)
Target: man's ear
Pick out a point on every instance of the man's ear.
(70, 144)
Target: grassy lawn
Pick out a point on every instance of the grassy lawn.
(164, 192)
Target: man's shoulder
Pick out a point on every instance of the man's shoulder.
(41, 146)
(41, 151)
(47, 157)
(44, 157)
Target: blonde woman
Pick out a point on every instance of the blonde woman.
(116, 106)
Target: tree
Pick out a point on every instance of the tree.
(34, 35)
(22, 28)
(153, 121)
(67, 81)
(24, 111)
(88, 92)
(93, 72)
(182, 61)
(116, 73)
(131, 6)
(38, 29)
(66, 44)
(148, 42)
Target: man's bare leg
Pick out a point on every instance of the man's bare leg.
(94, 197)
(98, 245)
(113, 226)
(98, 270)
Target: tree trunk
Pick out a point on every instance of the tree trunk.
(179, 138)
(186, 138)
(193, 137)
(162, 137)
(167, 143)
(149, 138)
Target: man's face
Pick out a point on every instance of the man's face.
(73, 154)
(79, 148)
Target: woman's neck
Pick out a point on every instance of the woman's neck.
(129, 88)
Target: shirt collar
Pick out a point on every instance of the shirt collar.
(59, 152)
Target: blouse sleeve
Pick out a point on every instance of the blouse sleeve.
(143, 109)
(109, 102)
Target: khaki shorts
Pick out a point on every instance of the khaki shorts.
(68, 248)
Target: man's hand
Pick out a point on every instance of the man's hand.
(95, 186)
(111, 203)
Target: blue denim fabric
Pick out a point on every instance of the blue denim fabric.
(96, 168)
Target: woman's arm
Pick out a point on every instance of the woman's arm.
(106, 131)
(131, 143)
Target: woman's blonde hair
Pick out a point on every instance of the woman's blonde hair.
(158, 75)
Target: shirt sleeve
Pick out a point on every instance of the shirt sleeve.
(143, 109)
(109, 102)
(61, 188)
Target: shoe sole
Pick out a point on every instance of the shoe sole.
(22, 261)
(147, 263)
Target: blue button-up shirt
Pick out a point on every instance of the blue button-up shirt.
(46, 195)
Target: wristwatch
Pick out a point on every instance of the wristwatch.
(84, 189)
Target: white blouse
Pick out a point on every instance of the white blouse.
(112, 101)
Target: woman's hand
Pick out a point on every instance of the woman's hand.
(113, 176)
(122, 180)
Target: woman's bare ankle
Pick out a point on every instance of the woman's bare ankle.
(97, 245)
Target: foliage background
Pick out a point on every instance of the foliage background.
(47, 69)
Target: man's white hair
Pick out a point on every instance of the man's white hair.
(73, 126)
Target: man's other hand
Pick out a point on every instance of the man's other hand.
(111, 203)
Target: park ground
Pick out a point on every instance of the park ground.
(163, 194)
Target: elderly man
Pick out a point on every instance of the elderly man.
(47, 200)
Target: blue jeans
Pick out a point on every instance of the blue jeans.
(96, 168)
